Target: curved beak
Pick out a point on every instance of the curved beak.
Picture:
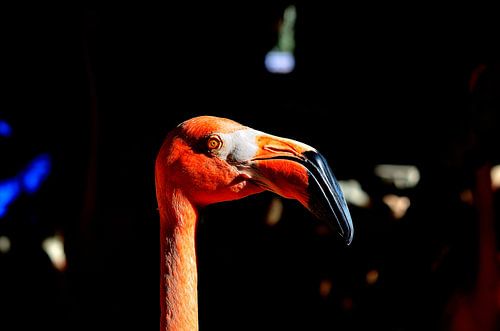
(297, 171)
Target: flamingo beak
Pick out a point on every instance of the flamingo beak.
(297, 171)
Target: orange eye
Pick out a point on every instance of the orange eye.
(214, 142)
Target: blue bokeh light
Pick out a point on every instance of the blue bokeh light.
(5, 129)
(28, 180)
(278, 62)
(9, 191)
(35, 173)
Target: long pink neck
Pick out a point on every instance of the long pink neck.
(487, 277)
(478, 310)
(178, 273)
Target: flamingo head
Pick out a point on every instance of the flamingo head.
(216, 159)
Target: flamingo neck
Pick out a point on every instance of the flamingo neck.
(487, 277)
(178, 273)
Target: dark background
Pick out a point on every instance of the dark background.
(99, 90)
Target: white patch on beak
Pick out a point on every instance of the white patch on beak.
(239, 146)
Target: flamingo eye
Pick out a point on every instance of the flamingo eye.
(214, 142)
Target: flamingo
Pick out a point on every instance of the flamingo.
(479, 309)
(207, 160)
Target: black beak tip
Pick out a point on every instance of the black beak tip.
(340, 221)
(348, 235)
(327, 201)
(342, 224)
(345, 225)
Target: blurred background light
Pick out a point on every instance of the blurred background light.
(467, 197)
(325, 287)
(402, 176)
(398, 204)
(5, 129)
(54, 247)
(281, 60)
(354, 194)
(9, 190)
(495, 177)
(34, 174)
(372, 277)
(275, 211)
(4, 244)
(29, 180)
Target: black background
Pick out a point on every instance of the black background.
(99, 90)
